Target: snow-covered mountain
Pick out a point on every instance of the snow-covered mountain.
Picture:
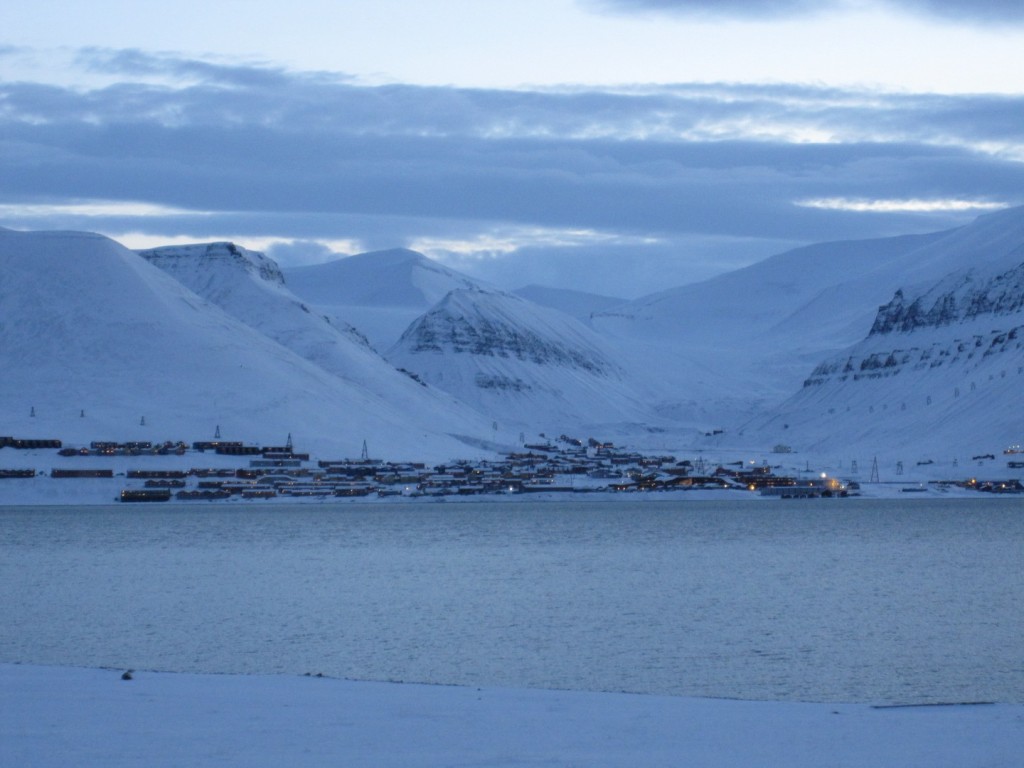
(579, 304)
(745, 340)
(941, 368)
(99, 344)
(251, 287)
(380, 292)
(891, 344)
(519, 362)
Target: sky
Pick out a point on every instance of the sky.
(613, 146)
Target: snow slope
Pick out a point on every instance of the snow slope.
(746, 340)
(121, 342)
(251, 287)
(380, 292)
(98, 344)
(90, 717)
(520, 363)
(939, 373)
(578, 304)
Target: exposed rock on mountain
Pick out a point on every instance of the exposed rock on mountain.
(954, 300)
(942, 365)
(518, 361)
(743, 342)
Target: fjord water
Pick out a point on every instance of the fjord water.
(881, 601)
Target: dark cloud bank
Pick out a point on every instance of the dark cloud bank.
(312, 156)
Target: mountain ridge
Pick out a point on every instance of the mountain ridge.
(99, 344)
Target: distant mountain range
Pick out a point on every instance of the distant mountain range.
(100, 344)
(910, 344)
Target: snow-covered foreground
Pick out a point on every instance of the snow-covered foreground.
(90, 717)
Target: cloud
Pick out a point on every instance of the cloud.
(316, 160)
(889, 206)
(303, 252)
(976, 11)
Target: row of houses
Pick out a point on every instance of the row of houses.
(992, 486)
(565, 465)
(560, 465)
(28, 443)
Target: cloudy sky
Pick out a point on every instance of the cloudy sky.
(616, 146)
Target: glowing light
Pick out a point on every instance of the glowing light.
(502, 241)
(95, 208)
(912, 205)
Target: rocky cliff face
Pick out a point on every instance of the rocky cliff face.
(518, 361)
(486, 324)
(966, 319)
(967, 298)
(941, 370)
(443, 330)
(960, 350)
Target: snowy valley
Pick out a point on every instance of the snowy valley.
(906, 348)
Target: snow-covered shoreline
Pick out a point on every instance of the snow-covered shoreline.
(59, 716)
(42, 490)
(94, 493)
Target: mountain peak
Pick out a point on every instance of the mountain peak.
(393, 278)
(208, 256)
(517, 361)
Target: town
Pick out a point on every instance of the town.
(562, 465)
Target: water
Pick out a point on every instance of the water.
(832, 600)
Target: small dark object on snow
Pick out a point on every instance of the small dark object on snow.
(127, 675)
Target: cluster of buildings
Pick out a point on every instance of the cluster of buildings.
(554, 466)
(562, 465)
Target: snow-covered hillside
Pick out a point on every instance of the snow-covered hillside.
(579, 304)
(746, 340)
(939, 374)
(380, 293)
(251, 287)
(98, 344)
(248, 285)
(519, 362)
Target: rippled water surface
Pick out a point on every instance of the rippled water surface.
(845, 600)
